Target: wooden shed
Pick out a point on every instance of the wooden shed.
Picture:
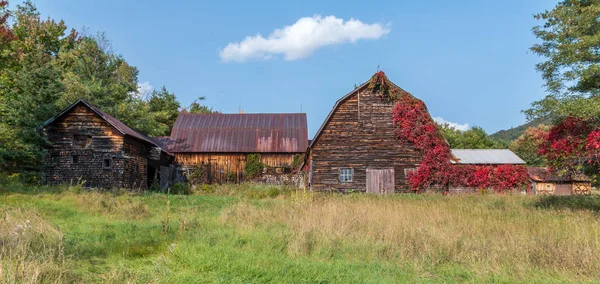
(356, 148)
(491, 158)
(544, 181)
(89, 145)
(221, 143)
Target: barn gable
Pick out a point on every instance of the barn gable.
(357, 144)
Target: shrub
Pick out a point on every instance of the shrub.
(273, 192)
(181, 188)
(198, 175)
(230, 177)
(253, 167)
(155, 186)
(297, 162)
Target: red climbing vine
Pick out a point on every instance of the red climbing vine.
(415, 125)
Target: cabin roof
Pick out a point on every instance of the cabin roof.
(117, 124)
(486, 157)
(241, 133)
(542, 174)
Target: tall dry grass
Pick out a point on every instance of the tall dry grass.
(123, 205)
(483, 233)
(31, 249)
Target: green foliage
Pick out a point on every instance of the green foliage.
(527, 145)
(254, 167)
(513, 133)
(574, 202)
(570, 46)
(165, 109)
(297, 161)
(230, 177)
(44, 67)
(197, 108)
(198, 175)
(474, 138)
(181, 188)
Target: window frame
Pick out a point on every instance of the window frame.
(74, 159)
(344, 175)
(110, 163)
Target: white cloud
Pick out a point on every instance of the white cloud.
(144, 89)
(458, 126)
(302, 38)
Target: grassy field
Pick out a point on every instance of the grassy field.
(249, 233)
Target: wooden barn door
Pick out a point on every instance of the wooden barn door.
(380, 181)
(563, 189)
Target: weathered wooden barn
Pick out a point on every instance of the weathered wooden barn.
(544, 181)
(482, 157)
(91, 146)
(221, 143)
(356, 148)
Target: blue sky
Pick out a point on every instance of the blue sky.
(468, 60)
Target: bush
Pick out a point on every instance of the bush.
(230, 177)
(198, 175)
(273, 192)
(253, 167)
(181, 188)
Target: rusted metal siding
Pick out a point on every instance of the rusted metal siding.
(380, 181)
(239, 133)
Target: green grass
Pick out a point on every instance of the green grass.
(248, 233)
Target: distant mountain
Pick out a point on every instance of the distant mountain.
(515, 132)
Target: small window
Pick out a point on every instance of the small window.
(54, 160)
(75, 159)
(107, 163)
(346, 174)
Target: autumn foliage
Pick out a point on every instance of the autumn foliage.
(414, 124)
(572, 143)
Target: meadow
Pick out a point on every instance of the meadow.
(253, 233)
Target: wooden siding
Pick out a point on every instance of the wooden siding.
(582, 188)
(83, 135)
(219, 164)
(105, 143)
(360, 135)
(135, 172)
(574, 188)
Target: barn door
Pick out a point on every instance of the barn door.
(380, 181)
(563, 189)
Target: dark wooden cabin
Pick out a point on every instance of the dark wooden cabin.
(546, 182)
(356, 147)
(222, 142)
(91, 146)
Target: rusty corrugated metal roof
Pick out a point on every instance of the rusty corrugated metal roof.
(545, 175)
(245, 133)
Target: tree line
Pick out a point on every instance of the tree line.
(45, 66)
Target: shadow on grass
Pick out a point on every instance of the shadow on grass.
(573, 202)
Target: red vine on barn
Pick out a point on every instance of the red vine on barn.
(415, 125)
